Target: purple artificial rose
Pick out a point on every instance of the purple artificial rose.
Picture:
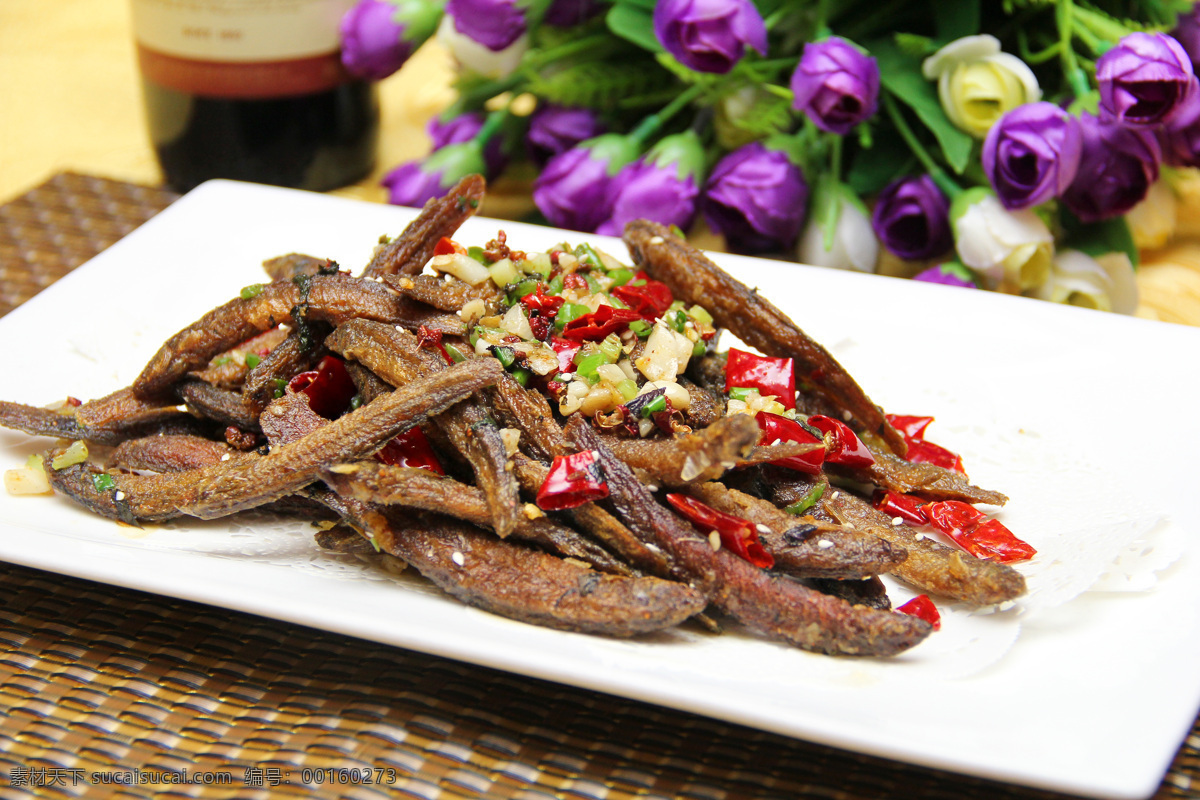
(556, 129)
(378, 36)
(949, 274)
(572, 191)
(836, 85)
(464, 128)
(912, 218)
(756, 198)
(1180, 138)
(495, 24)
(1032, 154)
(663, 186)
(1187, 33)
(414, 183)
(709, 35)
(1116, 169)
(568, 13)
(1145, 79)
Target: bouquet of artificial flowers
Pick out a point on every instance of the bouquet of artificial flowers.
(998, 144)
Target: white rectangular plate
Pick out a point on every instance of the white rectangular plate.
(1087, 421)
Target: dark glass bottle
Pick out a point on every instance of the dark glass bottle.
(253, 91)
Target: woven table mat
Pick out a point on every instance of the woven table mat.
(100, 683)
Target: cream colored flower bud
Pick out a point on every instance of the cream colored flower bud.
(977, 83)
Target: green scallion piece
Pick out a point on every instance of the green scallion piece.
(102, 482)
(808, 501)
(252, 360)
(252, 291)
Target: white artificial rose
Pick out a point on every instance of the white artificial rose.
(854, 245)
(478, 58)
(1011, 249)
(978, 84)
(1105, 283)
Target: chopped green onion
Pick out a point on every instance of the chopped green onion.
(102, 482)
(620, 277)
(677, 320)
(616, 302)
(222, 361)
(252, 291)
(568, 312)
(555, 286)
(76, 453)
(527, 286)
(586, 367)
(640, 327)
(252, 360)
(280, 384)
(699, 348)
(700, 314)
(808, 501)
(611, 348)
(585, 252)
(455, 354)
(594, 286)
(505, 355)
(476, 252)
(628, 389)
(654, 406)
(356, 402)
(743, 393)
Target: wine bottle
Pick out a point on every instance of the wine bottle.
(253, 90)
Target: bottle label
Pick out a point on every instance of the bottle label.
(240, 48)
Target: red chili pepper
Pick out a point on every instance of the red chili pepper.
(411, 449)
(446, 246)
(919, 450)
(650, 299)
(845, 447)
(974, 532)
(922, 607)
(573, 280)
(329, 387)
(781, 429)
(539, 302)
(737, 535)
(429, 337)
(904, 506)
(572, 481)
(598, 324)
(771, 376)
(565, 349)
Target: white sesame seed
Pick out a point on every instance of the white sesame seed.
(714, 540)
(921, 537)
(824, 544)
(652, 487)
(762, 528)
(1006, 605)
(226, 457)
(835, 495)
(656, 240)
(118, 495)
(846, 415)
(400, 328)
(458, 558)
(896, 521)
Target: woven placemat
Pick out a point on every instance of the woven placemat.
(103, 684)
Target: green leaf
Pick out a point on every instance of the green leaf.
(634, 23)
(958, 19)
(1098, 238)
(872, 169)
(901, 75)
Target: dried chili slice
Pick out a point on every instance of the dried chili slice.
(648, 297)
(329, 387)
(919, 450)
(922, 607)
(599, 323)
(781, 429)
(842, 445)
(411, 449)
(971, 530)
(572, 481)
(774, 377)
(737, 535)
(904, 506)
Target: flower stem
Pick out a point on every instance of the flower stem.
(648, 126)
(938, 175)
(833, 189)
(1065, 15)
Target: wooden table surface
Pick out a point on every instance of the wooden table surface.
(70, 100)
